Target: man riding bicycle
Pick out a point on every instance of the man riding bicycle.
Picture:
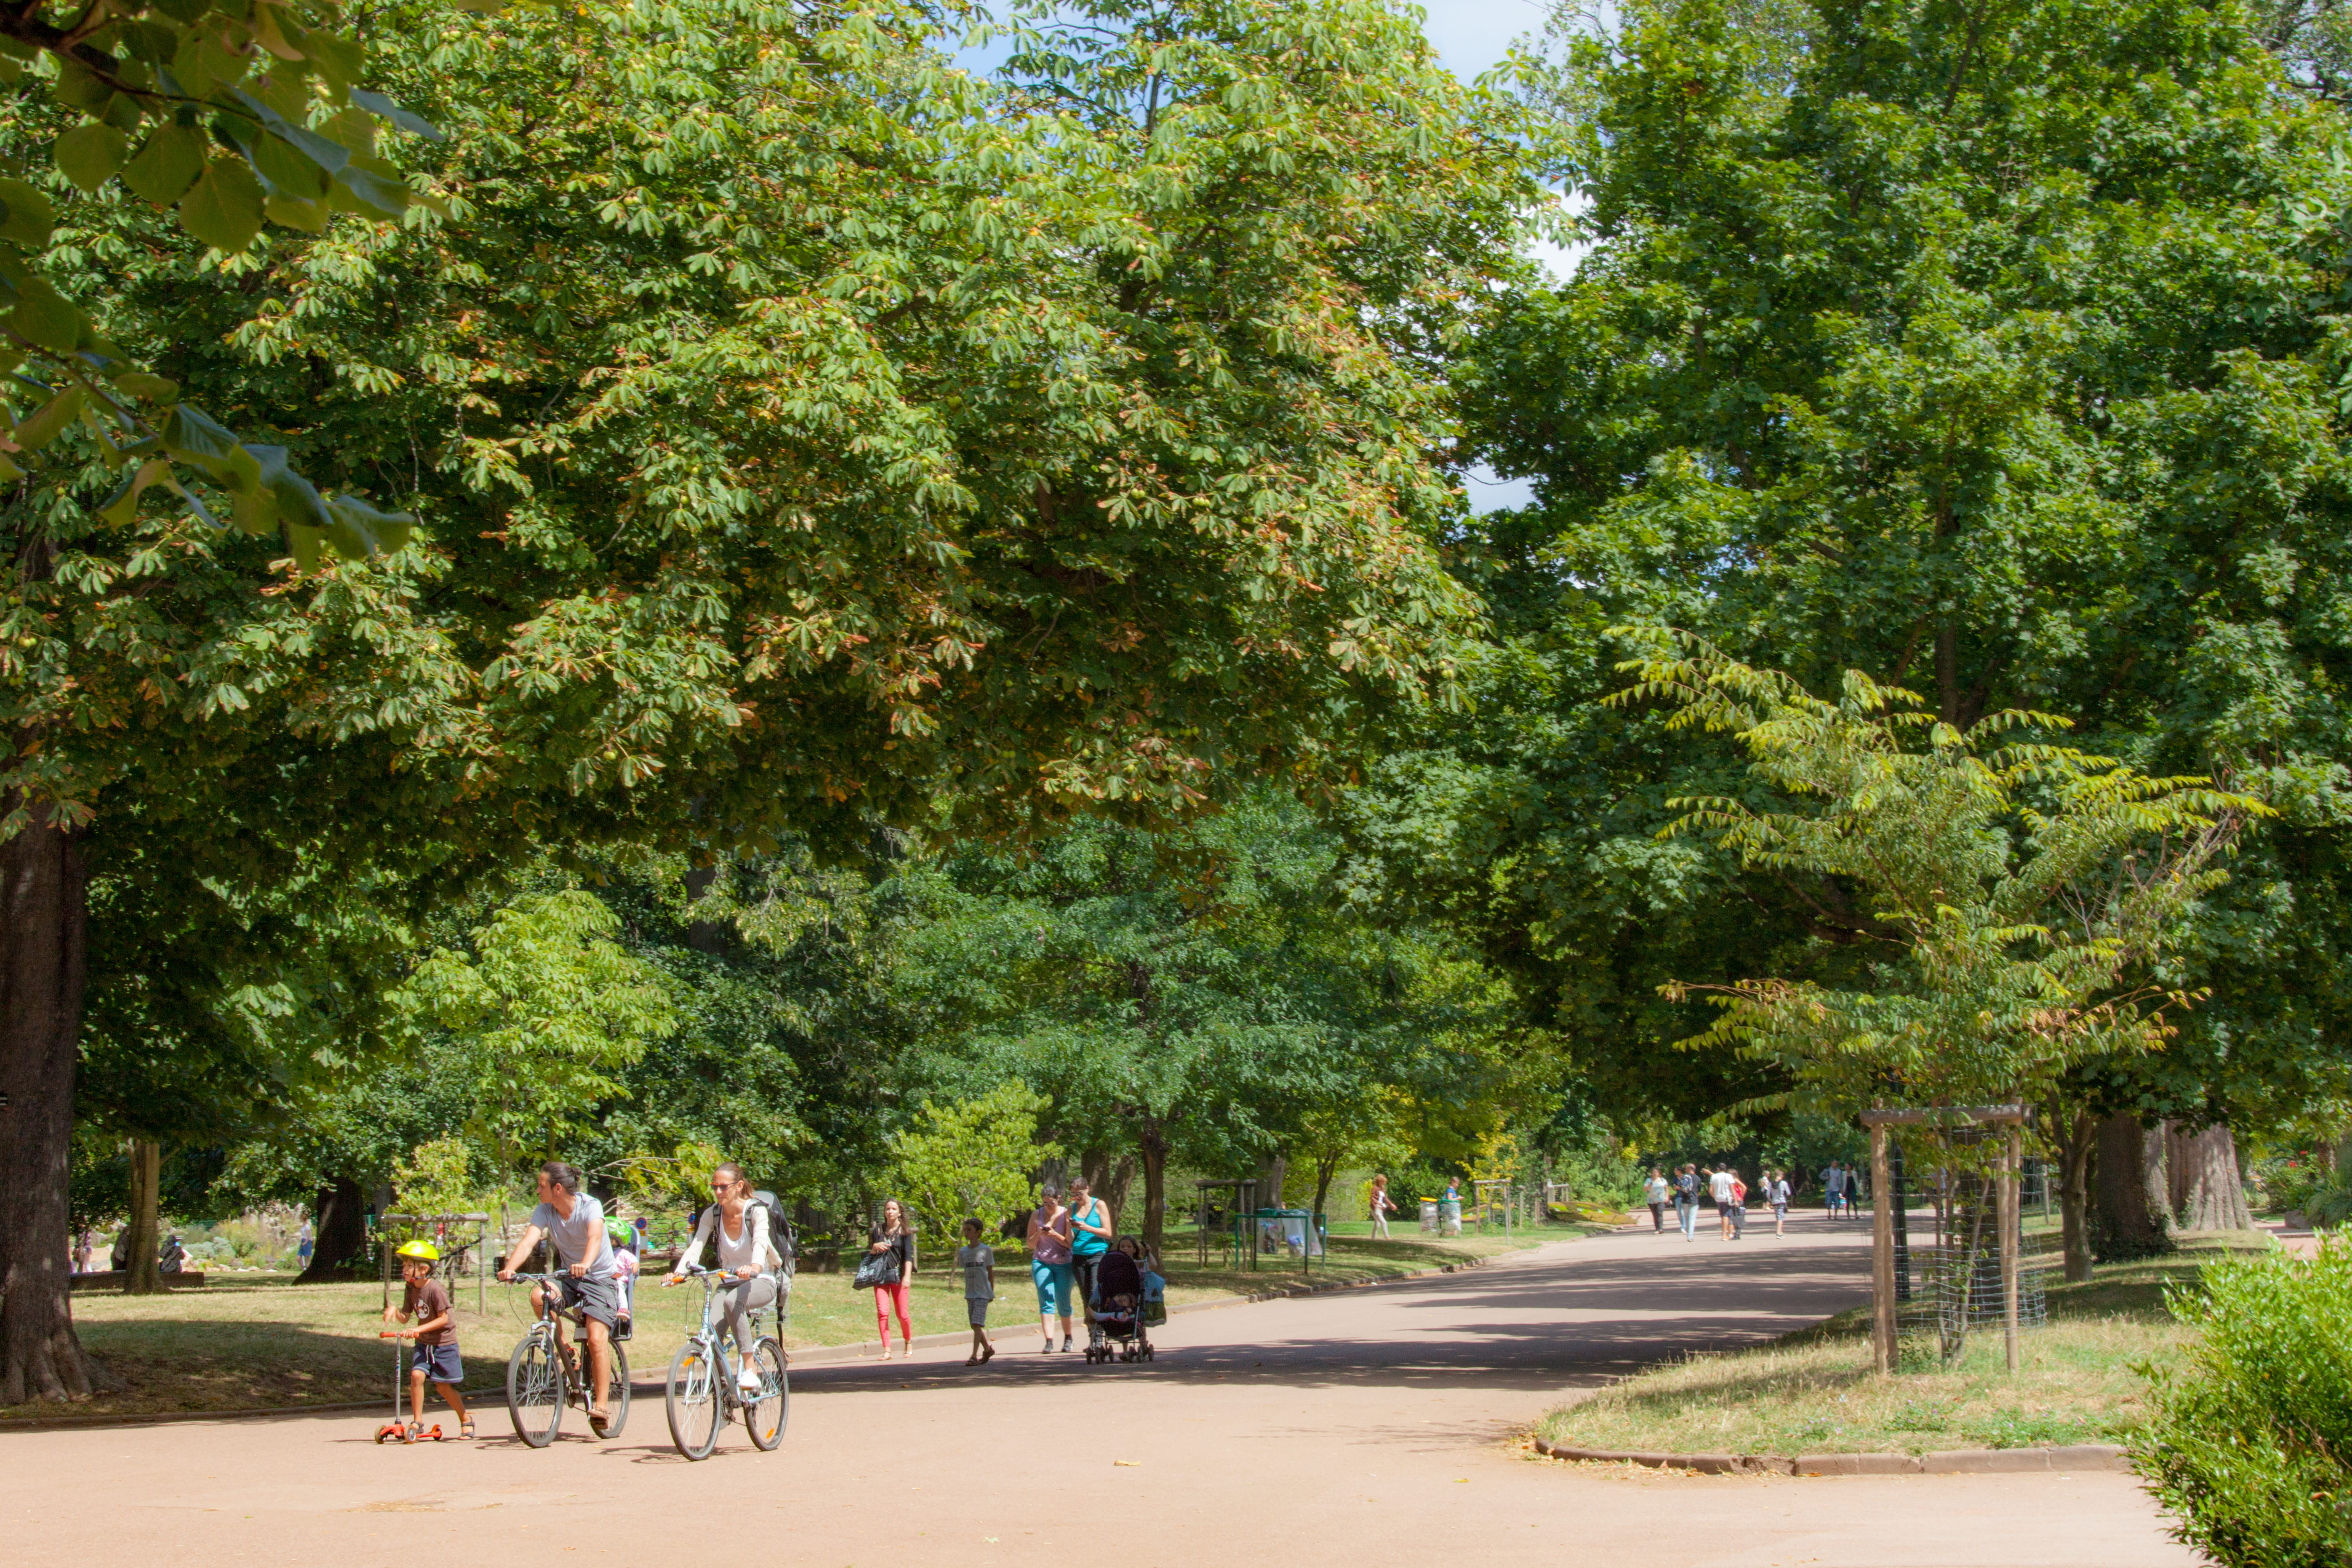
(575, 1221)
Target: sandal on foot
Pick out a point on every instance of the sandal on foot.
(466, 1430)
(988, 1354)
(598, 1420)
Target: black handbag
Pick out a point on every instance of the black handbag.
(878, 1269)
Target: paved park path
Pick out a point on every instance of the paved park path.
(1365, 1428)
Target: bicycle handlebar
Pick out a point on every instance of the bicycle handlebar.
(719, 1276)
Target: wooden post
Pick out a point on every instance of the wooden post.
(2009, 1221)
(1882, 1253)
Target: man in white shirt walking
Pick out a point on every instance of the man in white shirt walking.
(1719, 1184)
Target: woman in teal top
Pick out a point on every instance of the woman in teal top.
(1091, 1234)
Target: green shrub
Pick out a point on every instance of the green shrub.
(2249, 1445)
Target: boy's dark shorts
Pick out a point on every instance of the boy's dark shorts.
(439, 1362)
(597, 1298)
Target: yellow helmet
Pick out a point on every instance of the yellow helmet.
(421, 1250)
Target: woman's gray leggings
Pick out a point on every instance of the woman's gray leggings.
(742, 1300)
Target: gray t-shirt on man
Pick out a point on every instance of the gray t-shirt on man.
(571, 1236)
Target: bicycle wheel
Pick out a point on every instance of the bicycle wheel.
(693, 1399)
(616, 1392)
(534, 1390)
(764, 1416)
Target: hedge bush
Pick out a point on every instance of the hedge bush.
(2250, 1441)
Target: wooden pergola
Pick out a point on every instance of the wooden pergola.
(1881, 1224)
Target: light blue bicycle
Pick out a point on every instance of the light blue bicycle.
(703, 1392)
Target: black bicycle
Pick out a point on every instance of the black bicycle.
(547, 1372)
(703, 1392)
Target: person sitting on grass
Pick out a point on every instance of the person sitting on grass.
(437, 1338)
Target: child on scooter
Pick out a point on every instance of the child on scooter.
(426, 1297)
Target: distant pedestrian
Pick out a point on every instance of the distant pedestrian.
(1776, 1193)
(174, 1259)
(978, 1261)
(85, 1245)
(1049, 1263)
(1719, 1185)
(894, 1234)
(1653, 1193)
(1686, 1201)
(1833, 1187)
(1381, 1206)
(1738, 1207)
(302, 1243)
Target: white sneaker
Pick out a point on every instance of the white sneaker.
(748, 1380)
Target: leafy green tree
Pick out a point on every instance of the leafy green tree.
(799, 431)
(1985, 349)
(2021, 896)
(546, 1012)
(440, 1175)
(972, 1158)
(1203, 993)
(230, 115)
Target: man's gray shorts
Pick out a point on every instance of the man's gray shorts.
(597, 1298)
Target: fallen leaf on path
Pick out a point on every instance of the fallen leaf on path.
(1131, 1464)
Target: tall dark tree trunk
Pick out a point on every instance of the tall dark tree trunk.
(1153, 1146)
(2076, 1154)
(2135, 1208)
(1273, 1174)
(341, 1236)
(1325, 1169)
(146, 1218)
(703, 936)
(2207, 1190)
(43, 932)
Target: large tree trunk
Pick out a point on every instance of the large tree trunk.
(341, 1236)
(44, 929)
(2074, 1157)
(1153, 1145)
(2135, 1210)
(146, 1220)
(1273, 1171)
(1325, 1169)
(2206, 1188)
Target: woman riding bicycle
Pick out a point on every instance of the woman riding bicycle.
(745, 1253)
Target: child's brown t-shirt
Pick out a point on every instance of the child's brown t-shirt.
(424, 1302)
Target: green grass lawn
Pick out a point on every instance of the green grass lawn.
(1814, 1391)
(248, 1341)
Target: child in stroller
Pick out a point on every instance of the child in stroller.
(1118, 1304)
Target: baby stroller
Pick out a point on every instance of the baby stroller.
(1118, 1307)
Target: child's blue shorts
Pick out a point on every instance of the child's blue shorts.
(439, 1364)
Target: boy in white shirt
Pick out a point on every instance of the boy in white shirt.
(977, 1262)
